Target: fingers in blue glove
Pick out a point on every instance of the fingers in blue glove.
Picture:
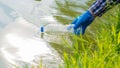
(77, 31)
(80, 30)
(82, 22)
(83, 29)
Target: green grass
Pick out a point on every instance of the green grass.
(101, 52)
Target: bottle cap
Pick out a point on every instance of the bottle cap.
(42, 28)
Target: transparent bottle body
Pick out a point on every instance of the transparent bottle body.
(54, 29)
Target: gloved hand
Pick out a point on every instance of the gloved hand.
(81, 23)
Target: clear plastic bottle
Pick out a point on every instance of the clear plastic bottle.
(55, 29)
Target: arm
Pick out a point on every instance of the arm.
(97, 9)
(102, 6)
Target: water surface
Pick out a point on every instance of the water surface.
(20, 22)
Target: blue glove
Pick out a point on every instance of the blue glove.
(81, 22)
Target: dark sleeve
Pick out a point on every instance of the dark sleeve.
(100, 7)
(118, 1)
